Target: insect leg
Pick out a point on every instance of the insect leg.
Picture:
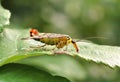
(66, 48)
(60, 44)
(43, 45)
(38, 46)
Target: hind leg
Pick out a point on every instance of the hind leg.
(60, 45)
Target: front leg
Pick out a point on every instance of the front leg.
(38, 46)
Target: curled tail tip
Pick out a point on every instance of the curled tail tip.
(77, 50)
(75, 46)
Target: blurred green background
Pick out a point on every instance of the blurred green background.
(77, 18)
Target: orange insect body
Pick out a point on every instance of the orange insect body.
(60, 40)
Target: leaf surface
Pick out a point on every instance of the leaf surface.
(4, 17)
(24, 73)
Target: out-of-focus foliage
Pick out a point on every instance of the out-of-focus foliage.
(4, 17)
(79, 19)
(14, 73)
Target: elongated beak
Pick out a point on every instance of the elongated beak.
(25, 38)
(36, 37)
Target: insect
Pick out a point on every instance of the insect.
(60, 40)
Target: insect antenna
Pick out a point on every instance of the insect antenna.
(29, 38)
(88, 38)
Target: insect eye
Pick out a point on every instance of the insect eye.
(33, 32)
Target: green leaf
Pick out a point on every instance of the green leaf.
(13, 49)
(23, 73)
(59, 65)
(109, 55)
(4, 17)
